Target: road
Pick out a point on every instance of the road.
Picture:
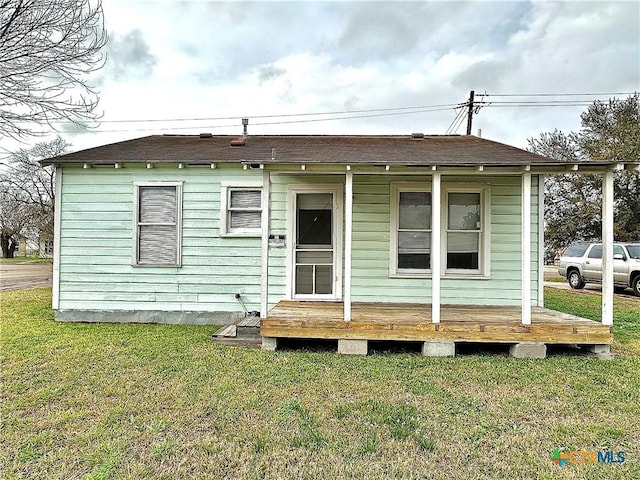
(25, 275)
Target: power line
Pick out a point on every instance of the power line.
(482, 100)
(555, 94)
(284, 115)
(283, 122)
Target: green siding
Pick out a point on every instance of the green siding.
(97, 241)
(370, 271)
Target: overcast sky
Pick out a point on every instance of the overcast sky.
(204, 59)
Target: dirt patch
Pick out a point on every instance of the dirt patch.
(25, 275)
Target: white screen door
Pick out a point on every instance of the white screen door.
(314, 252)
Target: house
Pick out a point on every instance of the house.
(436, 239)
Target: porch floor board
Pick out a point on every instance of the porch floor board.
(412, 322)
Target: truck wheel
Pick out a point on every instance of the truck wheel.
(635, 285)
(575, 280)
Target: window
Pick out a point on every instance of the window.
(576, 250)
(411, 230)
(48, 247)
(158, 224)
(596, 252)
(464, 231)
(241, 211)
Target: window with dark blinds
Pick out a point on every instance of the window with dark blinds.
(158, 224)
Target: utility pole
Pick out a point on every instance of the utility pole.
(470, 112)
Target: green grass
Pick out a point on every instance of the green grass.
(104, 401)
(21, 260)
(626, 323)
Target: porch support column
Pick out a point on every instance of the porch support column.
(348, 236)
(436, 267)
(264, 257)
(541, 252)
(526, 248)
(607, 248)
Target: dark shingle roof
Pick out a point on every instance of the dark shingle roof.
(453, 150)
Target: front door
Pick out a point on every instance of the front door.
(315, 254)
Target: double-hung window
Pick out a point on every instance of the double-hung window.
(410, 230)
(465, 231)
(158, 216)
(241, 210)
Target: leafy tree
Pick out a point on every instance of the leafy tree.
(609, 131)
(27, 195)
(47, 49)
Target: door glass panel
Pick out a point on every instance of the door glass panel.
(315, 257)
(304, 279)
(314, 219)
(324, 279)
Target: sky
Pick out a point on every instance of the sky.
(399, 67)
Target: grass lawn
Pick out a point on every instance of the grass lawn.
(21, 260)
(101, 401)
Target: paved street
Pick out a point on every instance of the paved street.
(25, 275)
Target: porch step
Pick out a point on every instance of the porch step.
(228, 331)
(245, 333)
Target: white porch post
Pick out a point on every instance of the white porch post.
(264, 260)
(526, 248)
(607, 248)
(348, 236)
(541, 252)
(436, 267)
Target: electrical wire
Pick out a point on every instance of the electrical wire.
(282, 122)
(482, 100)
(555, 94)
(284, 115)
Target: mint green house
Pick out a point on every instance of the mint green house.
(200, 229)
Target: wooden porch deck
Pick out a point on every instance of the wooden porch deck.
(412, 322)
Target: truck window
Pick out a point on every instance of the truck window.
(576, 250)
(596, 252)
(634, 251)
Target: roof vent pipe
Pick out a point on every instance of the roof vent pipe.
(245, 122)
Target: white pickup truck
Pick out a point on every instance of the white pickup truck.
(581, 263)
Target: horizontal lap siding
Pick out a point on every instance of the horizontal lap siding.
(370, 278)
(96, 244)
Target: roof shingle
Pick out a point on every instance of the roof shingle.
(453, 150)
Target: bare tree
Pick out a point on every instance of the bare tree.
(27, 194)
(47, 50)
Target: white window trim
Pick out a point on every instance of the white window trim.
(484, 247)
(225, 189)
(394, 271)
(484, 260)
(136, 212)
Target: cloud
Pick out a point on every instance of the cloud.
(228, 59)
(129, 56)
(269, 72)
